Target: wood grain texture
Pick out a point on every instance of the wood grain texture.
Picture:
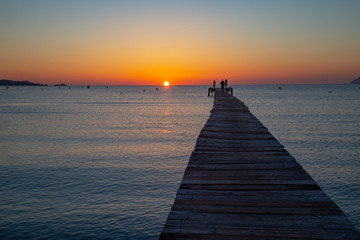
(240, 183)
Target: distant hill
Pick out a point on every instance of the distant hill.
(19, 83)
(356, 81)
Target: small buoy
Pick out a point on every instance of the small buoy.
(157, 89)
(329, 91)
(7, 88)
(279, 88)
(88, 86)
(121, 93)
(69, 87)
(42, 89)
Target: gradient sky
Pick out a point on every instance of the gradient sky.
(185, 42)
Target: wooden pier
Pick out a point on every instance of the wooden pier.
(240, 183)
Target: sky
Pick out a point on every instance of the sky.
(188, 42)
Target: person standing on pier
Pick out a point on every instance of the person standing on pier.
(214, 83)
(222, 85)
(225, 82)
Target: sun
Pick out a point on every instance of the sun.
(166, 84)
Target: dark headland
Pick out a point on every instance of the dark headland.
(60, 85)
(356, 81)
(19, 83)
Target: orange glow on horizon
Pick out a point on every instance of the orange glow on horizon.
(150, 43)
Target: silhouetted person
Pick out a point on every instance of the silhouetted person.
(225, 82)
(214, 83)
(222, 85)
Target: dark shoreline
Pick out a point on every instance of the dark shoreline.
(5, 82)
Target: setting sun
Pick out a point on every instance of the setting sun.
(166, 84)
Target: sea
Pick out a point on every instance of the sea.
(105, 162)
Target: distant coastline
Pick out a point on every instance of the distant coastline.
(7, 82)
(356, 81)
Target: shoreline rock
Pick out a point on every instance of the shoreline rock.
(356, 81)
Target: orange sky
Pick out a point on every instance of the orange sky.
(185, 42)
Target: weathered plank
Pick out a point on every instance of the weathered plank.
(240, 183)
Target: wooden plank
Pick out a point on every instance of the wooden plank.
(262, 220)
(237, 142)
(244, 166)
(294, 192)
(235, 136)
(250, 187)
(209, 231)
(239, 149)
(259, 130)
(261, 196)
(240, 157)
(192, 173)
(240, 183)
(214, 207)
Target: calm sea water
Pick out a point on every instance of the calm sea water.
(97, 164)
